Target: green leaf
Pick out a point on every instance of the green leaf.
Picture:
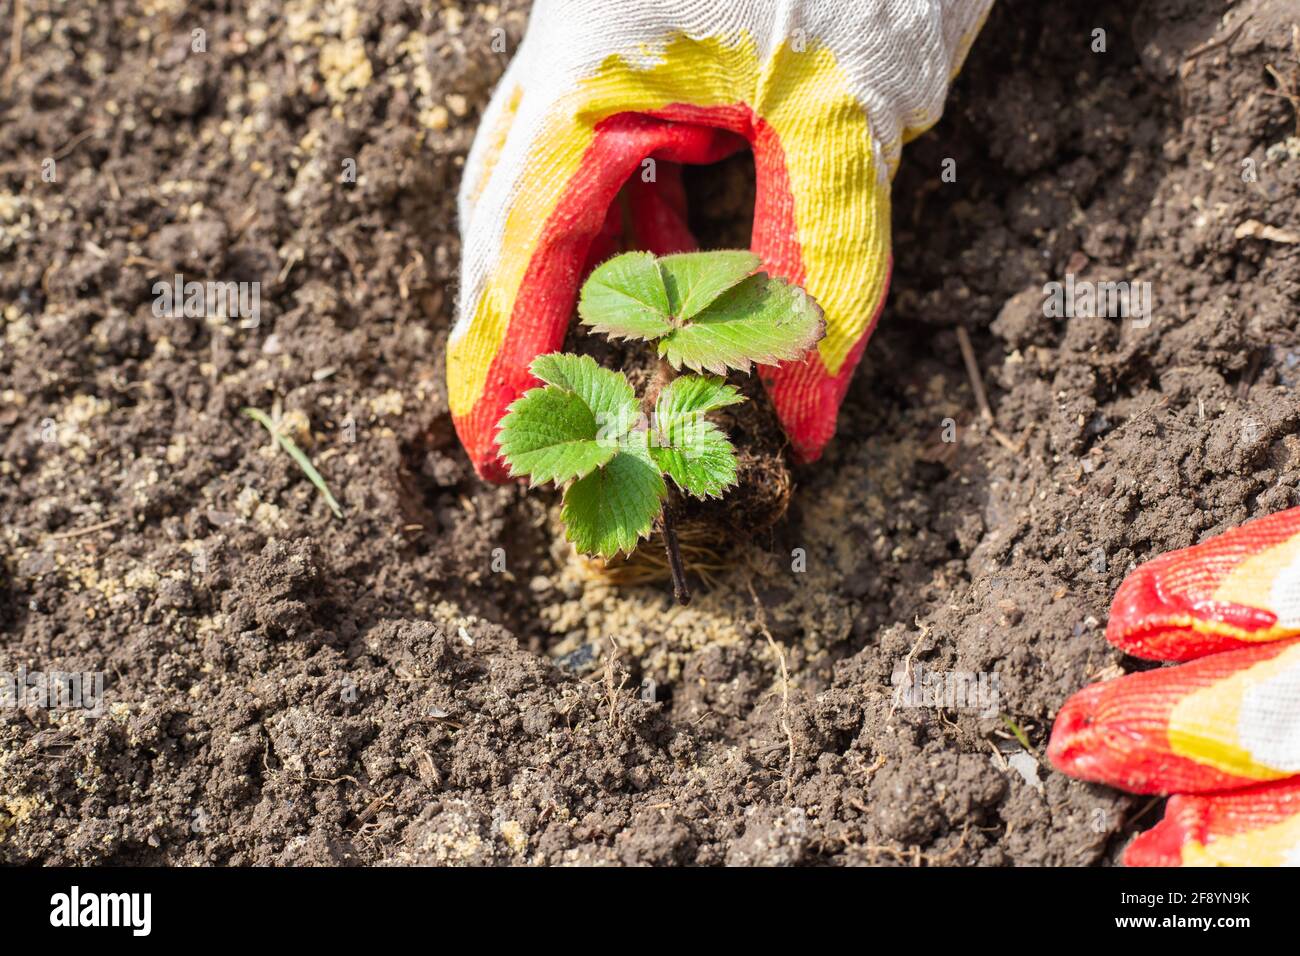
(636, 296)
(550, 435)
(692, 450)
(696, 393)
(608, 394)
(695, 279)
(297, 454)
(625, 298)
(703, 466)
(762, 320)
(612, 508)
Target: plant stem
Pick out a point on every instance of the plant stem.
(680, 591)
(664, 374)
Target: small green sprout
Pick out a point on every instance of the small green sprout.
(584, 430)
(297, 454)
(1021, 737)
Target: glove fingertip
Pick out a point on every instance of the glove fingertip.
(1162, 845)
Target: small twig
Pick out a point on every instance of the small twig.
(89, 529)
(67, 148)
(15, 46)
(142, 261)
(1210, 45)
(981, 396)
(1254, 229)
(973, 372)
(1289, 89)
(372, 808)
(1015, 447)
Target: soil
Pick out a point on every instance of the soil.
(435, 678)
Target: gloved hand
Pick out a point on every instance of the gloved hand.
(1221, 732)
(825, 92)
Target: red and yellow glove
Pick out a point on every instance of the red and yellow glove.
(1221, 732)
(823, 92)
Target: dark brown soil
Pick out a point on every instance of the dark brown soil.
(285, 687)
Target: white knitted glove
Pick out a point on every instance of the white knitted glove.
(825, 92)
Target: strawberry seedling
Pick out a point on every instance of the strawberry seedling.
(586, 431)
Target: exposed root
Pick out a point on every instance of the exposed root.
(613, 691)
(761, 615)
(648, 564)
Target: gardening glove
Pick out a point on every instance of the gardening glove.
(599, 95)
(1222, 732)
